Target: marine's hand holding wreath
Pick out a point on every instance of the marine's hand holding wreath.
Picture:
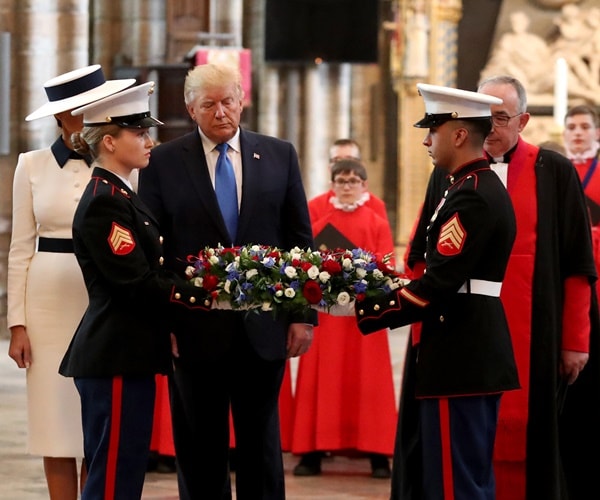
(268, 278)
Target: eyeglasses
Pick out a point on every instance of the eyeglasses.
(349, 182)
(502, 120)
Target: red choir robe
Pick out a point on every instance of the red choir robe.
(162, 428)
(589, 173)
(344, 399)
(319, 207)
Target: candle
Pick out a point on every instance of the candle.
(560, 91)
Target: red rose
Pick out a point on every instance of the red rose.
(305, 266)
(231, 250)
(360, 297)
(332, 266)
(312, 292)
(210, 282)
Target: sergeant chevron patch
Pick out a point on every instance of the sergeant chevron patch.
(452, 237)
(120, 240)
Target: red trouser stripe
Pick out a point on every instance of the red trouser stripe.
(446, 444)
(114, 437)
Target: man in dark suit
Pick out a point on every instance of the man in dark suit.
(227, 359)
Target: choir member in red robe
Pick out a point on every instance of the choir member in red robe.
(344, 400)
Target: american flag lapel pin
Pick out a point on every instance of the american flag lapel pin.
(256, 156)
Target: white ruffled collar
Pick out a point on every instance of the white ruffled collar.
(349, 207)
(585, 155)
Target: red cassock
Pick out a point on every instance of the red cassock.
(589, 174)
(344, 398)
(525, 445)
(162, 429)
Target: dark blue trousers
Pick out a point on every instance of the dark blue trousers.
(458, 436)
(117, 416)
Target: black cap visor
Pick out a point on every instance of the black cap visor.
(137, 120)
(430, 120)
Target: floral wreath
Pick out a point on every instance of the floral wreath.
(267, 278)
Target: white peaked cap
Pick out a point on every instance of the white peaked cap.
(128, 109)
(447, 103)
(77, 88)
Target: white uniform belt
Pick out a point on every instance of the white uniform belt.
(481, 287)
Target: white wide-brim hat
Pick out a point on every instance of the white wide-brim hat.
(77, 88)
(446, 103)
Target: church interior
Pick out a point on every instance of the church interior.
(314, 71)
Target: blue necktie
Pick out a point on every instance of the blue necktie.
(226, 190)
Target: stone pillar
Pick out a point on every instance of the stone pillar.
(443, 46)
(226, 16)
(440, 18)
(54, 40)
(340, 77)
(106, 38)
(268, 112)
(144, 30)
(317, 121)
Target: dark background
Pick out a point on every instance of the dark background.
(301, 31)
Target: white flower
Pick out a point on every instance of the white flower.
(343, 298)
(290, 272)
(360, 272)
(251, 273)
(227, 286)
(278, 293)
(324, 276)
(313, 272)
(190, 271)
(197, 281)
(347, 264)
(255, 248)
(295, 254)
(213, 259)
(290, 293)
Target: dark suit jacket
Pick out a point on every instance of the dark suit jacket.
(273, 211)
(118, 247)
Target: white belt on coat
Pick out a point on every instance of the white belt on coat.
(481, 287)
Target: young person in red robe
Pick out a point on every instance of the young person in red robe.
(581, 137)
(548, 434)
(346, 149)
(344, 400)
(341, 149)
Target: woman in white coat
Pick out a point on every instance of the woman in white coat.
(46, 293)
